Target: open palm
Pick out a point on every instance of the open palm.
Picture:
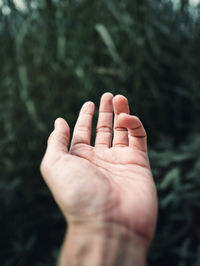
(110, 182)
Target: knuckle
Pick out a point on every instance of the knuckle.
(103, 129)
(120, 128)
(45, 167)
(83, 128)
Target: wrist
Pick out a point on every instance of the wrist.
(102, 245)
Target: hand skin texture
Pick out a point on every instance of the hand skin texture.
(106, 192)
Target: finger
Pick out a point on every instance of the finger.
(104, 124)
(56, 144)
(120, 105)
(59, 138)
(136, 132)
(83, 127)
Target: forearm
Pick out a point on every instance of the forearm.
(112, 246)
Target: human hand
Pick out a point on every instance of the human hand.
(110, 182)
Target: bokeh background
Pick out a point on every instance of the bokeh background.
(55, 55)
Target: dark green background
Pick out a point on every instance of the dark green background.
(55, 55)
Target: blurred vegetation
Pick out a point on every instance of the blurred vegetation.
(56, 54)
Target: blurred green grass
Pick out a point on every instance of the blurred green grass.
(57, 54)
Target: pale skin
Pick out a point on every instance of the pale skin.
(106, 192)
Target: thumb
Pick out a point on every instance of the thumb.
(56, 145)
(59, 138)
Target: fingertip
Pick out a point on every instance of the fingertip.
(120, 104)
(107, 98)
(107, 95)
(61, 124)
(90, 103)
(88, 107)
(120, 97)
(106, 103)
(58, 121)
